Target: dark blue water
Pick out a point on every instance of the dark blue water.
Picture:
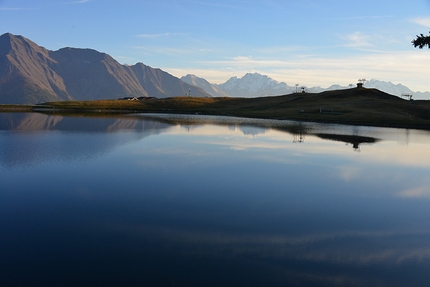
(207, 201)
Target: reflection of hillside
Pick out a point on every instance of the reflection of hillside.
(74, 138)
(27, 121)
(40, 122)
(88, 136)
(354, 135)
(349, 139)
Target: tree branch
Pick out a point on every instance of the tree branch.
(421, 41)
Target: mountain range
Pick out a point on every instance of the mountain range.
(31, 74)
(258, 85)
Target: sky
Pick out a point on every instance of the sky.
(306, 42)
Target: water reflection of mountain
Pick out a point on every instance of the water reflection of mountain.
(88, 136)
(71, 138)
(27, 121)
(252, 131)
(252, 127)
(40, 122)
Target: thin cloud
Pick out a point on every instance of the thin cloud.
(320, 71)
(78, 2)
(168, 51)
(179, 36)
(278, 50)
(423, 21)
(153, 36)
(358, 39)
(363, 17)
(244, 61)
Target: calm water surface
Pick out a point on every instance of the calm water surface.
(159, 200)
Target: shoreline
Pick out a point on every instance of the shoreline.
(359, 107)
(113, 112)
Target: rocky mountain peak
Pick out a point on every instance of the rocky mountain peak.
(31, 74)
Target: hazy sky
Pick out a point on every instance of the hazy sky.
(310, 42)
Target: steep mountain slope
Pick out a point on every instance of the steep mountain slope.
(26, 75)
(31, 74)
(202, 83)
(161, 84)
(89, 74)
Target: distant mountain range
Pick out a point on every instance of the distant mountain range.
(258, 85)
(31, 74)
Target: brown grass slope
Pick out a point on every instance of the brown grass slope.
(353, 106)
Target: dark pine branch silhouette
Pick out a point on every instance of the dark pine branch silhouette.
(421, 41)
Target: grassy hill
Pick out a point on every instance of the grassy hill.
(352, 106)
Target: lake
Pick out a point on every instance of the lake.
(176, 200)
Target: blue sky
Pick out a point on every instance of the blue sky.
(310, 42)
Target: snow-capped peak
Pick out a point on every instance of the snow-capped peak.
(258, 85)
(254, 84)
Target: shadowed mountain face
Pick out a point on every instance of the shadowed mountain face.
(89, 74)
(159, 83)
(31, 74)
(26, 75)
(208, 87)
